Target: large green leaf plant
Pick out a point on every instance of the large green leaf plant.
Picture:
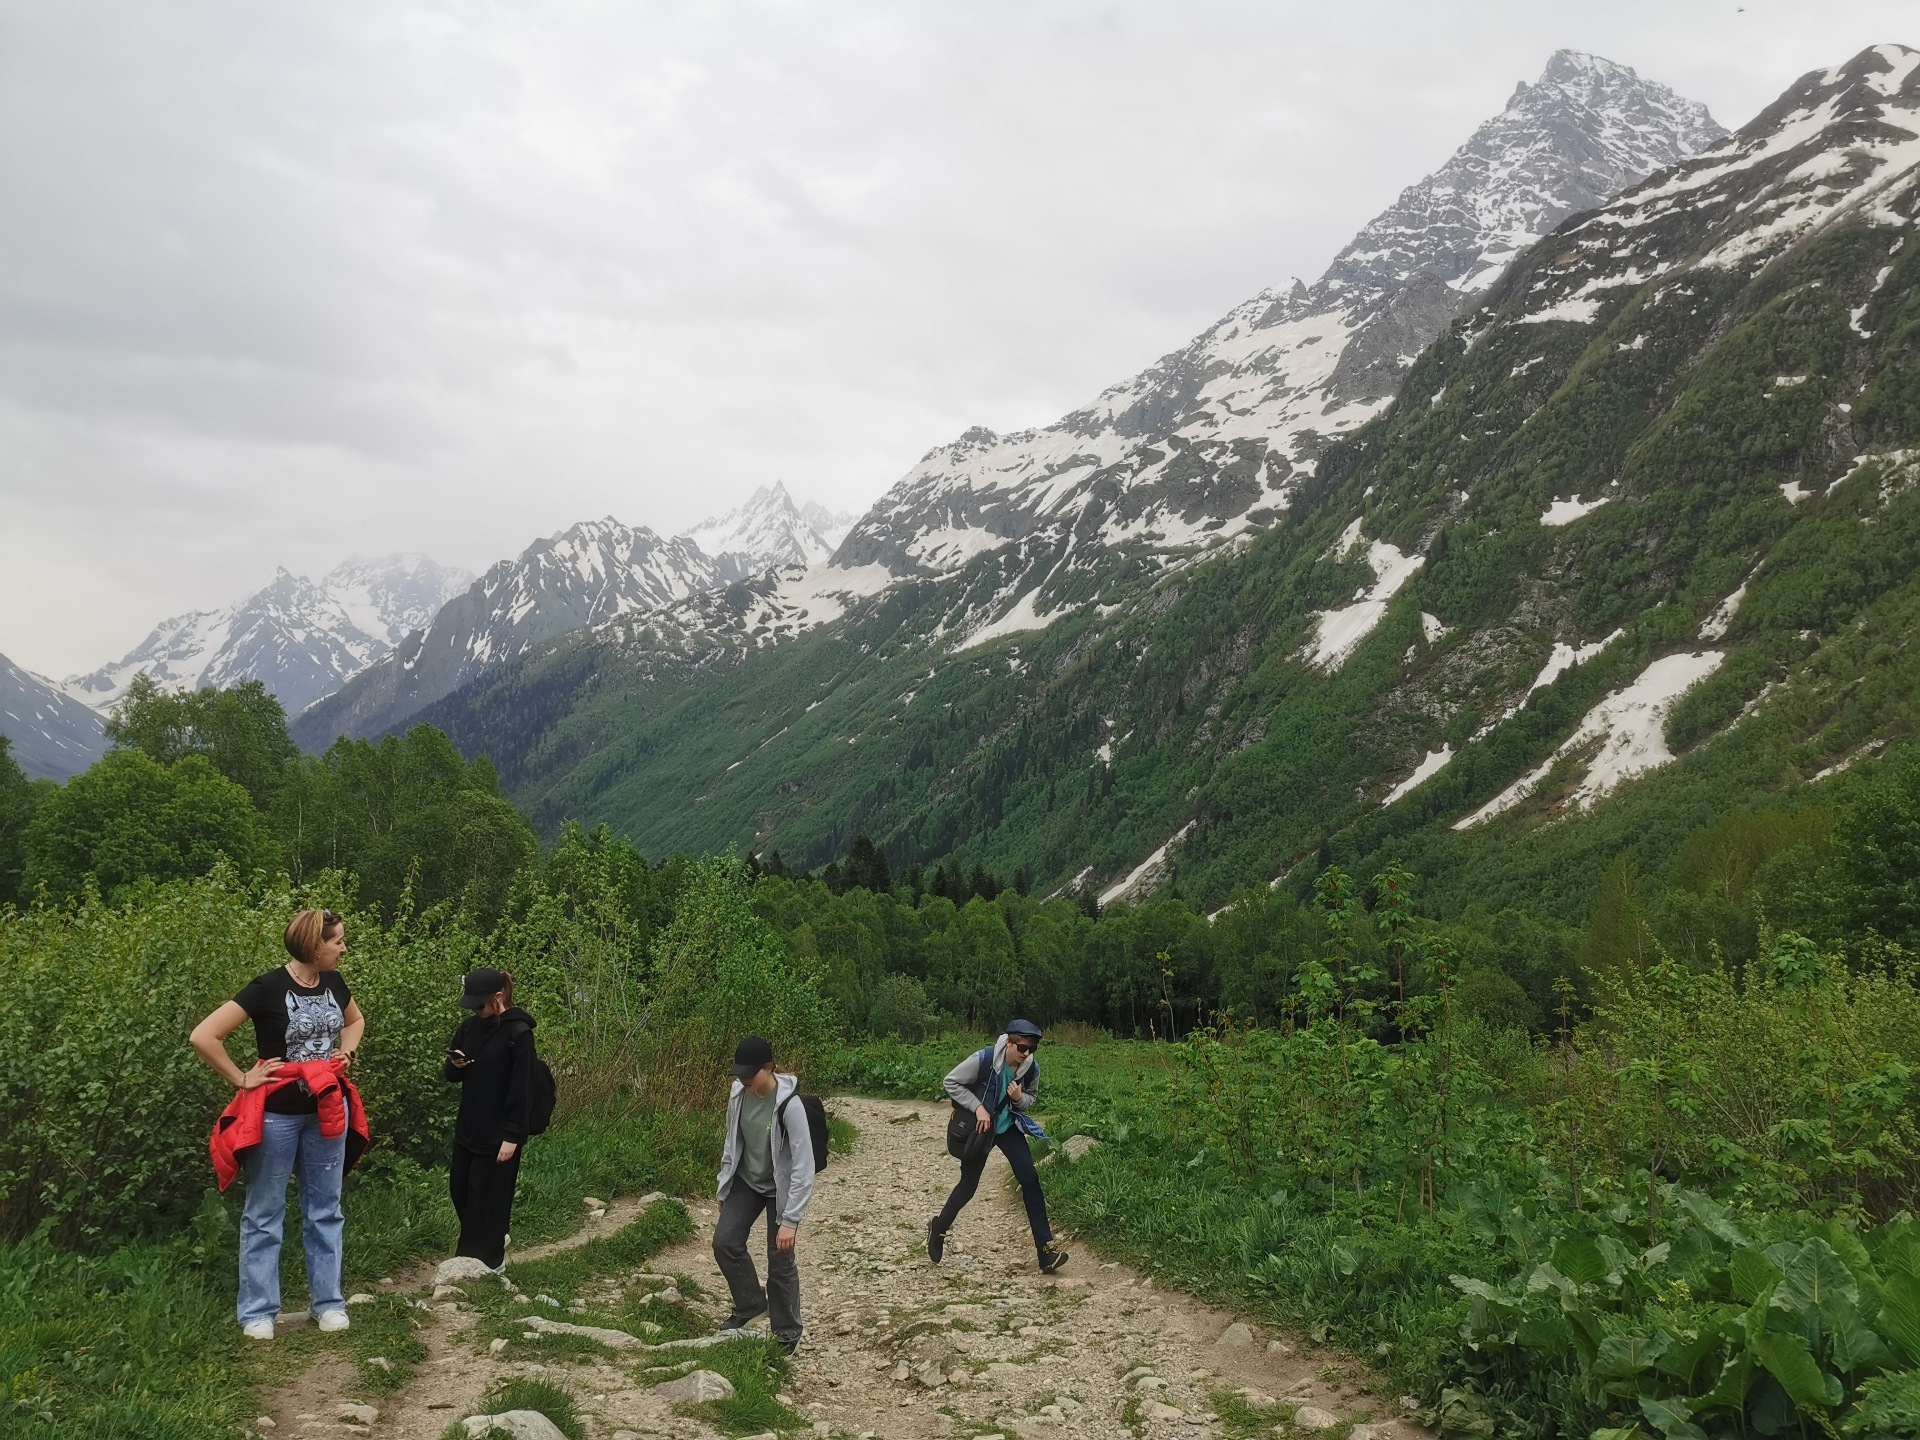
(1715, 1331)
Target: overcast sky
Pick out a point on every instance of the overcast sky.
(282, 282)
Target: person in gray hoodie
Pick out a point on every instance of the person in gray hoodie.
(997, 1087)
(766, 1168)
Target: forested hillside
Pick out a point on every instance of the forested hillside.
(1654, 498)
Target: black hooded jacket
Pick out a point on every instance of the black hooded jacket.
(496, 1086)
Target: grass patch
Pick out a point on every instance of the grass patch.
(136, 1344)
(842, 1135)
(382, 1330)
(676, 1322)
(756, 1368)
(565, 1275)
(549, 1399)
(1241, 1419)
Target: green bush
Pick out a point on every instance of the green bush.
(130, 818)
(719, 972)
(105, 1110)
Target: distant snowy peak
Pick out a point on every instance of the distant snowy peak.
(392, 596)
(1586, 131)
(1209, 444)
(769, 532)
(830, 525)
(594, 571)
(301, 639)
(1841, 145)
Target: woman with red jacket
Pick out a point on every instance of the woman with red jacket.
(302, 1013)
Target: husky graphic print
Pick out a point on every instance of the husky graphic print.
(313, 1025)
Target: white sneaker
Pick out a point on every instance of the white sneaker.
(331, 1320)
(258, 1329)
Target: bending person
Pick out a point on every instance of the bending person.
(491, 1060)
(997, 1086)
(305, 1023)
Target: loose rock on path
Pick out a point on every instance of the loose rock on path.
(897, 1348)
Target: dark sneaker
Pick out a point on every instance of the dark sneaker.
(936, 1241)
(787, 1345)
(738, 1321)
(1051, 1259)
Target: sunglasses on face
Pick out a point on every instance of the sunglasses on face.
(1023, 1049)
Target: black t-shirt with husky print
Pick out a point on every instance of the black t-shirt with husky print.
(295, 1022)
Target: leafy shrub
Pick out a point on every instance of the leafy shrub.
(900, 1009)
(1712, 1330)
(105, 1109)
(720, 972)
(130, 818)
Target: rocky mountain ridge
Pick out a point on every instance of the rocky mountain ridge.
(53, 735)
(1637, 539)
(1211, 443)
(301, 639)
(598, 572)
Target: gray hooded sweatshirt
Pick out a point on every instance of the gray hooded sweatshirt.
(792, 1151)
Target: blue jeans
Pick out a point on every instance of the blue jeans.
(287, 1141)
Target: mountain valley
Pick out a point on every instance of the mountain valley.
(1615, 553)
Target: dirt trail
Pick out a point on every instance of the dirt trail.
(988, 1344)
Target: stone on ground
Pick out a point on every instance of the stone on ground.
(1236, 1334)
(1312, 1417)
(516, 1424)
(359, 1414)
(1155, 1410)
(697, 1386)
(1076, 1146)
(461, 1267)
(612, 1339)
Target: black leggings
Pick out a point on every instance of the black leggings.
(1013, 1144)
(482, 1190)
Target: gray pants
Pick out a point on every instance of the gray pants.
(742, 1207)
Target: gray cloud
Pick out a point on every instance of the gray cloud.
(278, 283)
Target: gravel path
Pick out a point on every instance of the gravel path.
(897, 1348)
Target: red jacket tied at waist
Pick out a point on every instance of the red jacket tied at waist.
(240, 1125)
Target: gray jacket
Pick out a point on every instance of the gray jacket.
(962, 1080)
(792, 1151)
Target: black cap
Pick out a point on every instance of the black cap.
(1023, 1027)
(751, 1057)
(482, 986)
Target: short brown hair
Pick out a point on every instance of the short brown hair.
(307, 929)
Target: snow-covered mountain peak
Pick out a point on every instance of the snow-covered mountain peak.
(771, 530)
(301, 639)
(1840, 143)
(1586, 130)
(1209, 444)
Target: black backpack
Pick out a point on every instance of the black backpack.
(546, 1092)
(816, 1114)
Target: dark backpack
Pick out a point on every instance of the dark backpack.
(546, 1093)
(816, 1114)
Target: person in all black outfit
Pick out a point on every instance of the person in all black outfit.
(491, 1060)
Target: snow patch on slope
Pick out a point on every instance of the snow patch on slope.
(1565, 512)
(1147, 873)
(1340, 631)
(1431, 766)
(1629, 727)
